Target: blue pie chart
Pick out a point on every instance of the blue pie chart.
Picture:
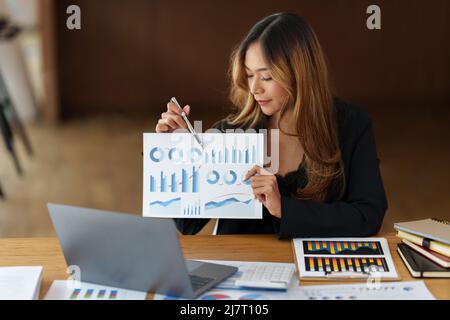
(230, 177)
(156, 154)
(213, 177)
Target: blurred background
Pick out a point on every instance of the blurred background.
(76, 102)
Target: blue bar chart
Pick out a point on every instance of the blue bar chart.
(186, 182)
(230, 155)
(192, 208)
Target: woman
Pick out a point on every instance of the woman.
(328, 183)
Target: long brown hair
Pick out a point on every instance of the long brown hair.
(297, 63)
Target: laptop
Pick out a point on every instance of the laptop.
(131, 252)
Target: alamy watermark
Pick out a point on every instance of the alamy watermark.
(271, 160)
(74, 279)
(73, 21)
(373, 22)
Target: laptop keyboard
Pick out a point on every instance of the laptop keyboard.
(198, 282)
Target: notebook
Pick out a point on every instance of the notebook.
(433, 245)
(434, 229)
(440, 259)
(419, 266)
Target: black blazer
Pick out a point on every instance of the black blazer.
(358, 212)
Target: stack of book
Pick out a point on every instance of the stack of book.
(425, 247)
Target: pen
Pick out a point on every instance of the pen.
(191, 129)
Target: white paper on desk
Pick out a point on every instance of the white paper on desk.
(182, 180)
(227, 290)
(64, 290)
(411, 290)
(20, 283)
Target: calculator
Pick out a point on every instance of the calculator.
(270, 276)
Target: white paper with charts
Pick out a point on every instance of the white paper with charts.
(184, 180)
(328, 258)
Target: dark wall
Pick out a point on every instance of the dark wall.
(132, 56)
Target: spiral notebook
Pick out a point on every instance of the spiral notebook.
(434, 229)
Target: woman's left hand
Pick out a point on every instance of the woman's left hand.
(265, 188)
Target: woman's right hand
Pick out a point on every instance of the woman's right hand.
(172, 119)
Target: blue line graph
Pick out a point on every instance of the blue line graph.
(228, 207)
(166, 208)
(165, 203)
(217, 204)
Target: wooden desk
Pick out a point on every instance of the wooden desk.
(47, 252)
